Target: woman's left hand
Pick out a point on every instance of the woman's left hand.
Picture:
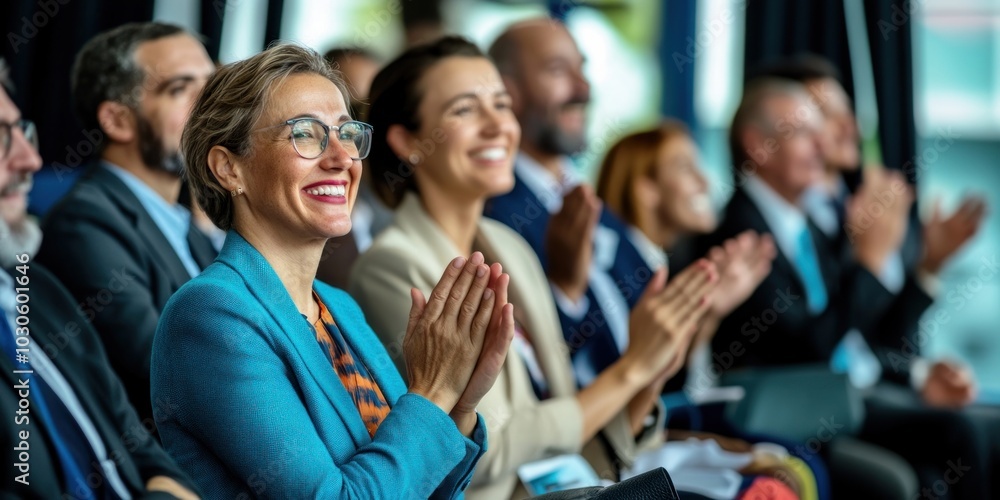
(498, 336)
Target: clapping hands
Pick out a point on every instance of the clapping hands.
(457, 339)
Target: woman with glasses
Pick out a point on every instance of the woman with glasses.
(445, 141)
(272, 382)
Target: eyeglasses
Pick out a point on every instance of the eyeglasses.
(310, 137)
(7, 135)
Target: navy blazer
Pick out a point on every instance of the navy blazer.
(590, 338)
(257, 409)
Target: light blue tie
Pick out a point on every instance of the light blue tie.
(808, 265)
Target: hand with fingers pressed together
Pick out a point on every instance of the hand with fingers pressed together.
(457, 339)
(664, 321)
(743, 262)
(877, 217)
(569, 241)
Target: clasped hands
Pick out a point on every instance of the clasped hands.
(457, 339)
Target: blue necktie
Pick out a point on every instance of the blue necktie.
(808, 265)
(71, 444)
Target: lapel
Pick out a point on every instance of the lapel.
(741, 206)
(523, 212)
(201, 247)
(829, 259)
(528, 291)
(156, 244)
(263, 283)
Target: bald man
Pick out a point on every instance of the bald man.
(595, 270)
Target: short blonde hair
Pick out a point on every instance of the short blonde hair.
(228, 109)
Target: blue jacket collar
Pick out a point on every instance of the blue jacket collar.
(265, 285)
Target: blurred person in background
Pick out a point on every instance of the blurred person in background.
(943, 383)
(776, 146)
(449, 94)
(596, 274)
(72, 432)
(653, 181)
(369, 216)
(119, 241)
(906, 377)
(309, 403)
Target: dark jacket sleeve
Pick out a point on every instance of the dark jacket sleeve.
(78, 353)
(98, 266)
(895, 339)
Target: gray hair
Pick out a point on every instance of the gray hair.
(753, 111)
(105, 69)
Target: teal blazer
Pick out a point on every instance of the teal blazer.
(248, 405)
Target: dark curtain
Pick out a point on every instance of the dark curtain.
(42, 40)
(43, 37)
(890, 38)
(677, 49)
(212, 14)
(272, 28)
(776, 28)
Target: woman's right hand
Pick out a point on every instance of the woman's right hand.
(446, 333)
(666, 318)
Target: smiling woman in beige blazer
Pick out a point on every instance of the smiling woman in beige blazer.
(444, 142)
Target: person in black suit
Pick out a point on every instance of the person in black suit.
(907, 378)
(815, 293)
(70, 431)
(119, 241)
(925, 249)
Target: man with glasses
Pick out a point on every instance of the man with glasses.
(71, 432)
(17, 232)
(120, 242)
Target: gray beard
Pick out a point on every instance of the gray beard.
(555, 141)
(24, 238)
(548, 137)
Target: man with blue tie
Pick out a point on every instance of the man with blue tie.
(814, 296)
(69, 429)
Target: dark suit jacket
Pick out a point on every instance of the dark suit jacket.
(66, 337)
(107, 251)
(899, 325)
(590, 339)
(774, 326)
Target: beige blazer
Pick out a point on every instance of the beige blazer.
(413, 252)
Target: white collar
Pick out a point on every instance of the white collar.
(785, 220)
(543, 184)
(654, 255)
(816, 202)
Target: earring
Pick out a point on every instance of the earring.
(414, 158)
(236, 192)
